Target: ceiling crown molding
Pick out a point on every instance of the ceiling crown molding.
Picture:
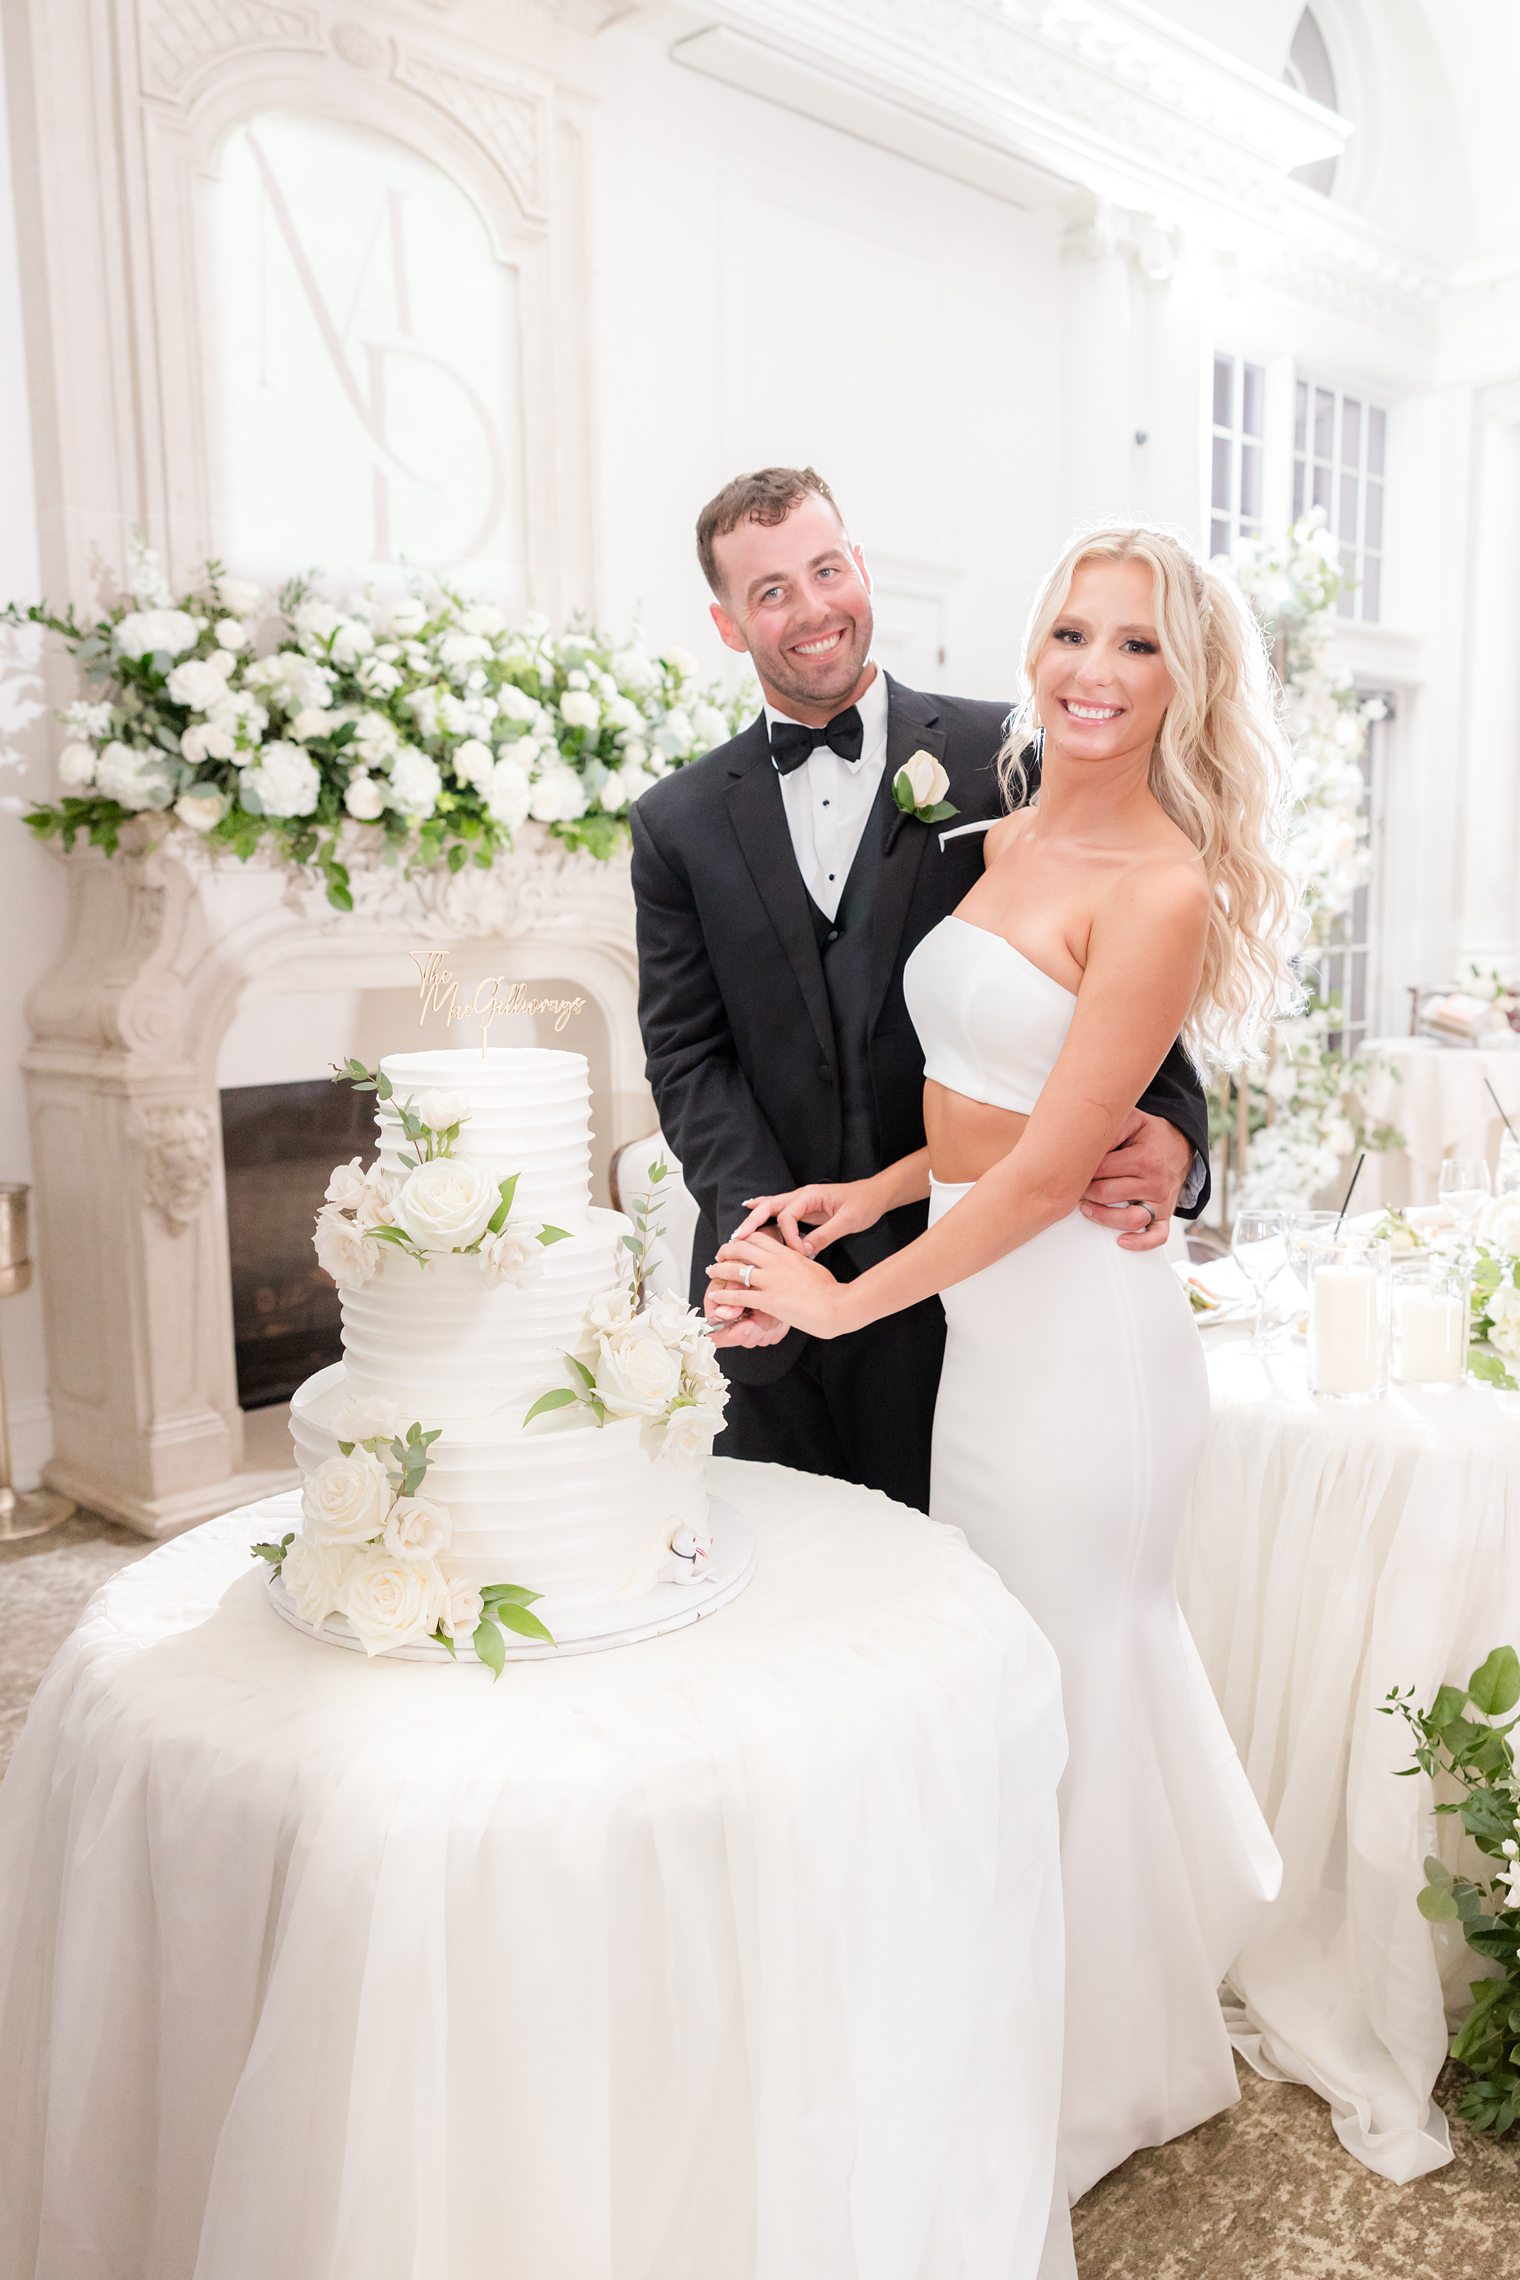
(1098, 93)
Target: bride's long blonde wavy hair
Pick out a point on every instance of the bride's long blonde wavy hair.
(1219, 768)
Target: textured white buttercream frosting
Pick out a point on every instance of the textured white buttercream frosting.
(529, 1113)
(565, 1508)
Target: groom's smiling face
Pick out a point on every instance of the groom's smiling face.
(795, 595)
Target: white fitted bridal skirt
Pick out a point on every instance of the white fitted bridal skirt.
(1070, 1422)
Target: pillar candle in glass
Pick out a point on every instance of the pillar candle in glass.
(1348, 1318)
(1430, 1301)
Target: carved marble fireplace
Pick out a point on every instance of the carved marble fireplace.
(182, 976)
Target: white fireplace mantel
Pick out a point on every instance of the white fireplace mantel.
(165, 945)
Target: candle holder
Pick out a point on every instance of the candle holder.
(28, 1512)
(1349, 1286)
(1431, 1300)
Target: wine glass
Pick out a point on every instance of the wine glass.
(1259, 1245)
(1464, 1187)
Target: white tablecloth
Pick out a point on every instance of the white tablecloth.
(1434, 1095)
(1333, 1552)
(734, 1955)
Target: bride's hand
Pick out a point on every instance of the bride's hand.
(841, 1207)
(783, 1284)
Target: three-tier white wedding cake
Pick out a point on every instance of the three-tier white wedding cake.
(517, 1420)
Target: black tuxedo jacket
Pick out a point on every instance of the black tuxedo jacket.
(737, 1029)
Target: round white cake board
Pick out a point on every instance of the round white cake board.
(582, 1630)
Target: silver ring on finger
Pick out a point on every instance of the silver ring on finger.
(1151, 1215)
(747, 1273)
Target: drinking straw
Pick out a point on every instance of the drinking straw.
(1356, 1175)
(1499, 1105)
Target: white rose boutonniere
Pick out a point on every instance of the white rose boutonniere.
(919, 788)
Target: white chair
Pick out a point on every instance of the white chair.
(629, 1178)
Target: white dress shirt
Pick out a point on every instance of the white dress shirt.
(827, 800)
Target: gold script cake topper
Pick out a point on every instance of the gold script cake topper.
(439, 993)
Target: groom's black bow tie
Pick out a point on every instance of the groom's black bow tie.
(791, 743)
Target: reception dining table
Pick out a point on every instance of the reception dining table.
(1333, 1552)
(734, 1954)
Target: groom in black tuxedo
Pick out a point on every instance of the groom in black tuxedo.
(780, 891)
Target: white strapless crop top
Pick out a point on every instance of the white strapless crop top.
(990, 1023)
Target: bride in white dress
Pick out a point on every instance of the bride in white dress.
(1136, 898)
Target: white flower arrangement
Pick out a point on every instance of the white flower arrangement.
(645, 1355)
(424, 724)
(369, 1549)
(1305, 1108)
(444, 1203)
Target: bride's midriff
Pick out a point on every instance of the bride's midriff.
(966, 1137)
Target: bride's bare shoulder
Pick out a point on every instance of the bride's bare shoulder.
(1001, 836)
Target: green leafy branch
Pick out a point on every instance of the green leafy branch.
(504, 1606)
(583, 1392)
(646, 1217)
(274, 1553)
(1476, 1754)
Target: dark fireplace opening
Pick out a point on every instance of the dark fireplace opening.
(279, 1146)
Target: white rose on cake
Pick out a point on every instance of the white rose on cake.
(675, 1322)
(314, 1574)
(346, 1188)
(343, 1250)
(444, 1205)
(462, 1608)
(439, 1109)
(391, 1602)
(378, 1201)
(691, 1431)
(418, 1529)
(514, 1257)
(611, 1309)
(346, 1499)
(637, 1375)
(369, 1417)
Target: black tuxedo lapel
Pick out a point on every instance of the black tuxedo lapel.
(912, 726)
(759, 819)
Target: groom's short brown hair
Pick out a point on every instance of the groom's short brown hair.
(767, 496)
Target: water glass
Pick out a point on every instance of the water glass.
(1349, 1285)
(1507, 1185)
(1464, 1187)
(1304, 1228)
(1259, 1246)
(1430, 1320)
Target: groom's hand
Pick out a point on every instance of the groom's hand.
(1135, 1188)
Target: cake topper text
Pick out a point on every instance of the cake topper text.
(440, 993)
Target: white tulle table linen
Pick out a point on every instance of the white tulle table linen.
(1436, 1097)
(733, 1955)
(1333, 1552)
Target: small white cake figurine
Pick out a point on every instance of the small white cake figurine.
(518, 1430)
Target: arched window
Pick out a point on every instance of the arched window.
(1308, 69)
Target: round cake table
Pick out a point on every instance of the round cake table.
(732, 1955)
(1333, 1552)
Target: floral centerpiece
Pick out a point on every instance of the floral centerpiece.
(369, 1547)
(1459, 1743)
(1304, 1109)
(644, 1354)
(423, 727)
(1493, 1352)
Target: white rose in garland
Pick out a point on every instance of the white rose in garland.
(463, 1606)
(637, 1374)
(445, 1205)
(390, 1602)
(345, 1500)
(691, 1431)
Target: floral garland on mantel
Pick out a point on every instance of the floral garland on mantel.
(1304, 1109)
(423, 723)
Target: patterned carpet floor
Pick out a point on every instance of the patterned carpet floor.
(1264, 2192)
